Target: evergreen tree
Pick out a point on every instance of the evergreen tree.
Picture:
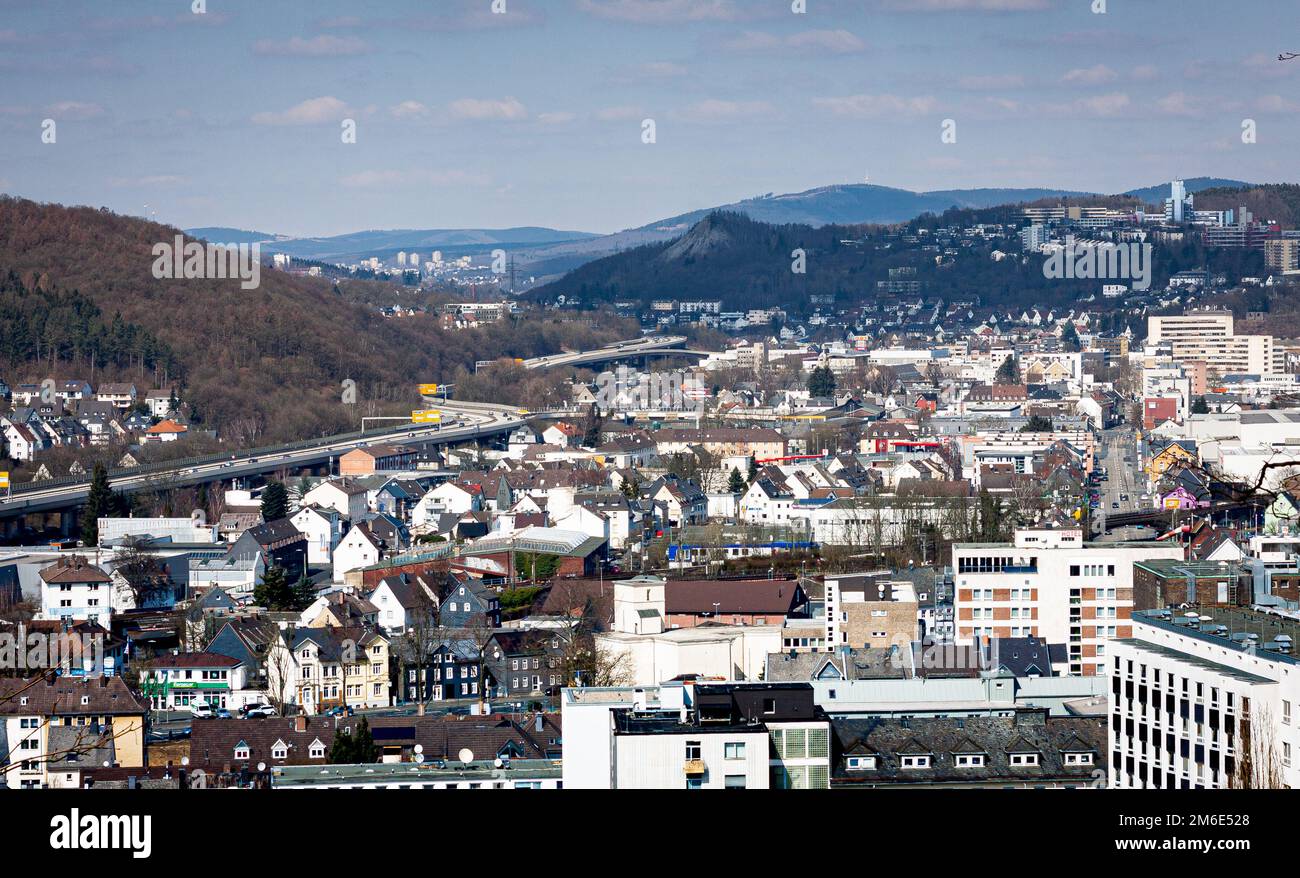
(1070, 337)
(753, 470)
(100, 502)
(304, 593)
(274, 592)
(1008, 372)
(736, 484)
(1037, 424)
(821, 382)
(275, 502)
(1200, 406)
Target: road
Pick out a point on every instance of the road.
(463, 420)
(1125, 484)
(651, 344)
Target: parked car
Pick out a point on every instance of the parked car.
(261, 711)
(222, 713)
(202, 710)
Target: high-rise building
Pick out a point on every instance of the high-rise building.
(1049, 583)
(1178, 205)
(1194, 691)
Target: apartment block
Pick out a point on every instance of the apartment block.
(1049, 583)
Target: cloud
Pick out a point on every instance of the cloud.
(1102, 105)
(618, 114)
(478, 110)
(833, 42)
(1176, 104)
(992, 82)
(1276, 104)
(383, 179)
(866, 106)
(662, 11)
(323, 46)
(151, 180)
(555, 118)
(315, 111)
(712, 110)
(965, 5)
(75, 110)
(409, 110)
(1097, 75)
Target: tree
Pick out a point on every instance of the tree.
(821, 382)
(142, 571)
(100, 502)
(1200, 406)
(736, 483)
(275, 502)
(1070, 337)
(304, 593)
(591, 429)
(1037, 424)
(1008, 372)
(354, 748)
(274, 592)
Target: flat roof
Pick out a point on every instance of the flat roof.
(1196, 661)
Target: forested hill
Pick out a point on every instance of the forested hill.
(748, 264)
(76, 286)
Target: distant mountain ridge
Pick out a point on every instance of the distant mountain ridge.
(549, 253)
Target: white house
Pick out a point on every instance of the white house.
(323, 526)
(345, 496)
(358, 548)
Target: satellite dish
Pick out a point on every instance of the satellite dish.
(185, 760)
(497, 762)
(466, 755)
(419, 748)
(261, 766)
(419, 758)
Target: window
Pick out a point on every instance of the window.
(734, 782)
(735, 749)
(1024, 758)
(279, 750)
(241, 752)
(1286, 713)
(693, 750)
(1078, 759)
(861, 763)
(970, 760)
(317, 750)
(916, 762)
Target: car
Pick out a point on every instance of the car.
(1114, 505)
(222, 713)
(202, 710)
(261, 712)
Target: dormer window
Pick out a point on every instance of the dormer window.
(915, 762)
(1078, 759)
(969, 760)
(241, 751)
(317, 750)
(861, 763)
(1024, 759)
(279, 750)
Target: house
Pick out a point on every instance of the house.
(1028, 749)
(180, 681)
(690, 603)
(74, 589)
(232, 748)
(527, 663)
(467, 603)
(164, 431)
(562, 434)
(682, 501)
(377, 458)
(321, 668)
(339, 609)
(323, 527)
(278, 544)
(21, 441)
(360, 547)
(119, 396)
(403, 601)
(345, 496)
(43, 722)
(161, 403)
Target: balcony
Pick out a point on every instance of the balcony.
(694, 767)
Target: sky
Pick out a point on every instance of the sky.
(469, 118)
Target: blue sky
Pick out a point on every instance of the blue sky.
(467, 118)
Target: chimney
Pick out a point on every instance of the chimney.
(541, 721)
(300, 723)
